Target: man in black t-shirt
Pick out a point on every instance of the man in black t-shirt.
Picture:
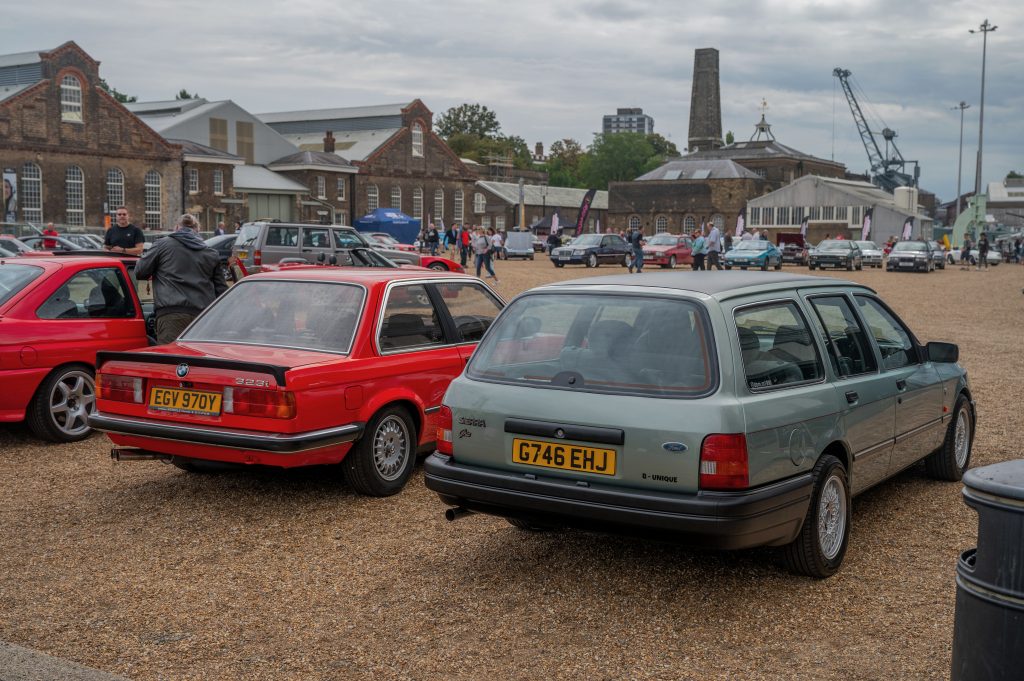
(124, 237)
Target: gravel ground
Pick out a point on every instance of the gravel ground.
(148, 572)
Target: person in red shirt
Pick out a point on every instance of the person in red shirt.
(49, 244)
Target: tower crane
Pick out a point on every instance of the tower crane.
(888, 169)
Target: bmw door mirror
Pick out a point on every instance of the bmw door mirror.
(947, 353)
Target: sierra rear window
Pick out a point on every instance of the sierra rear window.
(307, 315)
(621, 344)
(13, 278)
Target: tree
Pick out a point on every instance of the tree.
(1014, 175)
(662, 147)
(119, 96)
(473, 119)
(184, 94)
(618, 157)
(565, 159)
(729, 137)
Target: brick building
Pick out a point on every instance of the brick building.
(209, 184)
(401, 162)
(496, 204)
(77, 154)
(681, 195)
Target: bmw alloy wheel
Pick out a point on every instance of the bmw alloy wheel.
(391, 448)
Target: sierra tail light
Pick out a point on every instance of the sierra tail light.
(119, 388)
(274, 404)
(257, 257)
(723, 462)
(444, 431)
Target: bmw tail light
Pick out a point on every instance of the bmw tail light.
(119, 388)
(274, 404)
(257, 257)
(444, 431)
(723, 462)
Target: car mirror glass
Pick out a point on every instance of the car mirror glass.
(947, 353)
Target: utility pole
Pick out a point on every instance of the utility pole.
(984, 29)
(960, 163)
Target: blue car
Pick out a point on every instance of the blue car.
(762, 254)
(592, 250)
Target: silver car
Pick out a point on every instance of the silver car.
(871, 254)
(729, 411)
(911, 256)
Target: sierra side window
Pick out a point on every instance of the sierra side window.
(849, 350)
(894, 341)
(473, 309)
(776, 346)
(410, 320)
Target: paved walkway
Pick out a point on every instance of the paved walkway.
(22, 664)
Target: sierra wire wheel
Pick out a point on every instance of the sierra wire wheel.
(819, 549)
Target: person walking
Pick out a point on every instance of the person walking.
(553, 242)
(433, 238)
(124, 237)
(636, 242)
(728, 242)
(186, 275)
(497, 245)
(481, 245)
(714, 247)
(449, 240)
(698, 251)
(965, 253)
(983, 251)
(464, 244)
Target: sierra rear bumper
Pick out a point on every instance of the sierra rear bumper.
(769, 515)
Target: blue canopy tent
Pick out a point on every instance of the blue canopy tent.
(391, 221)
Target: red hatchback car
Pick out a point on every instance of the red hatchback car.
(56, 312)
(668, 250)
(308, 365)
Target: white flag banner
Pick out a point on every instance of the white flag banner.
(803, 227)
(554, 223)
(908, 227)
(741, 222)
(865, 230)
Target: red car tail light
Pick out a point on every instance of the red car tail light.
(119, 388)
(723, 462)
(274, 404)
(257, 257)
(444, 431)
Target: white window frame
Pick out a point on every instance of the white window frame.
(417, 203)
(634, 222)
(485, 222)
(479, 203)
(321, 187)
(689, 224)
(660, 224)
(372, 198)
(70, 99)
(115, 188)
(499, 222)
(439, 204)
(153, 200)
(74, 196)
(458, 208)
(718, 221)
(768, 215)
(417, 139)
(218, 182)
(396, 197)
(193, 181)
(31, 193)
(341, 188)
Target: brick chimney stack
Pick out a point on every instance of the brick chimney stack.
(329, 142)
(538, 151)
(705, 102)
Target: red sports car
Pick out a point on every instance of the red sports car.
(668, 250)
(307, 365)
(56, 312)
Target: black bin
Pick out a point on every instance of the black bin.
(988, 630)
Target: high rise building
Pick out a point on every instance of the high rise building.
(628, 120)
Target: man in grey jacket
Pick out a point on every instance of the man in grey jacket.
(186, 276)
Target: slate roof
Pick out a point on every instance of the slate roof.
(258, 178)
(555, 197)
(758, 149)
(332, 114)
(323, 159)
(688, 168)
(196, 149)
(162, 120)
(354, 145)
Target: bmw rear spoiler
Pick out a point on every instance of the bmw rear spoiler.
(274, 370)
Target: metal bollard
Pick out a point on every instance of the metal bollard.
(988, 628)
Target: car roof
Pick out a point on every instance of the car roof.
(720, 285)
(363, 275)
(60, 259)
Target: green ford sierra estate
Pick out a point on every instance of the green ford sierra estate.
(728, 411)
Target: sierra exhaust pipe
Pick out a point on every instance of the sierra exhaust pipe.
(453, 514)
(135, 454)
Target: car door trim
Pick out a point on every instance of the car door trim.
(548, 429)
(919, 429)
(865, 453)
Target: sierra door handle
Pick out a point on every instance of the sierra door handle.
(901, 384)
(852, 397)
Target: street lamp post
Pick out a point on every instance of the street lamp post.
(960, 163)
(984, 29)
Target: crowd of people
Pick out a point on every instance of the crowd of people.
(459, 241)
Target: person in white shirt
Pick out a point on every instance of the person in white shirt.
(757, 235)
(497, 245)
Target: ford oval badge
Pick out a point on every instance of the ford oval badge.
(674, 447)
(182, 370)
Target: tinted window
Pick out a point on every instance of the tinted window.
(294, 314)
(910, 246)
(600, 343)
(316, 238)
(835, 245)
(95, 293)
(776, 346)
(848, 346)
(279, 235)
(247, 235)
(893, 340)
(472, 308)
(410, 320)
(346, 239)
(14, 278)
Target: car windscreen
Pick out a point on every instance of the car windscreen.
(13, 278)
(663, 240)
(247, 236)
(910, 246)
(867, 245)
(586, 240)
(308, 315)
(752, 246)
(835, 245)
(620, 344)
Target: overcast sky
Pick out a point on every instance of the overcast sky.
(552, 69)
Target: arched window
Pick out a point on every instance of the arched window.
(439, 204)
(396, 198)
(153, 199)
(689, 224)
(417, 139)
(417, 203)
(70, 99)
(74, 192)
(479, 203)
(457, 208)
(115, 189)
(718, 221)
(372, 198)
(661, 224)
(634, 222)
(31, 193)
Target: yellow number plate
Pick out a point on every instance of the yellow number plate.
(242, 255)
(563, 456)
(185, 401)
